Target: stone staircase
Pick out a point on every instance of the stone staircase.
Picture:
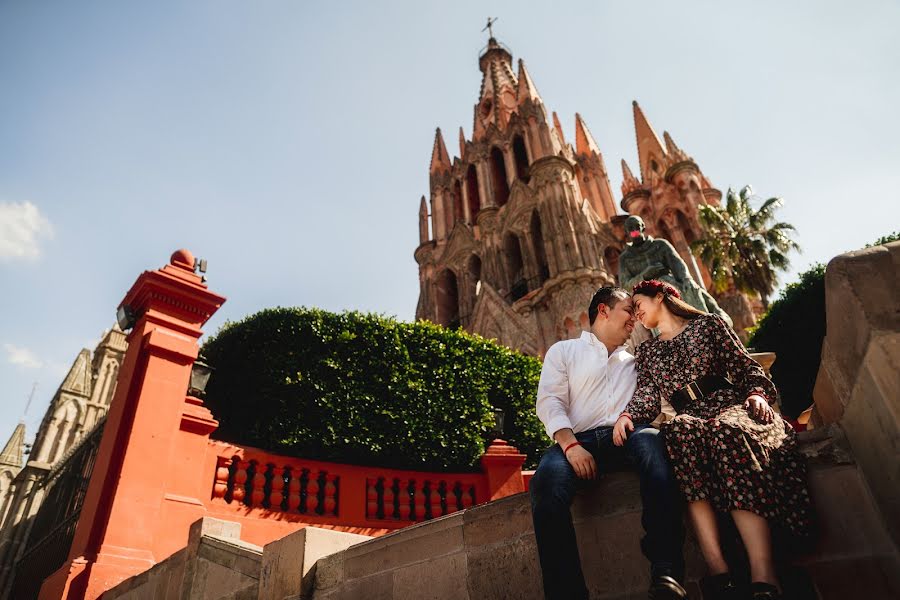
(488, 552)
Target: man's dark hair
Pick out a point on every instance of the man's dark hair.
(608, 295)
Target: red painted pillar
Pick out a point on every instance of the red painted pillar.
(502, 464)
(140, 489)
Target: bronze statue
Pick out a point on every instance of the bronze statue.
(649, 258)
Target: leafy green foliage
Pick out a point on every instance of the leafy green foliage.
(887, 239)
(743, 246)
(794, 328)
(364, 389)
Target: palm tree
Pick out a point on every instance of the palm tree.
(742, 246)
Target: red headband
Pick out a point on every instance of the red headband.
(652, 287)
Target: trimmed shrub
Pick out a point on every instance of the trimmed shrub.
(365, 389)
(794, 328)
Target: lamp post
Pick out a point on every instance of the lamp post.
(200, 373)
(499, 423)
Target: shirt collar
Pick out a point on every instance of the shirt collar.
(590, 338)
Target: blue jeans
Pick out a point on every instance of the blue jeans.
(553, 488)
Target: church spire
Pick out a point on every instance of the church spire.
(423, 221)
(650, 149)
(526, 88)
(440, 160)
(559, 130)
(629, 181)
(584, 141)
(497, 98)
(14, 451)
(462, 143)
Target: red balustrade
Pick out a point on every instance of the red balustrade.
(257, 483)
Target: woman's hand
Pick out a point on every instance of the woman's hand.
(621, 429)
(758, 408)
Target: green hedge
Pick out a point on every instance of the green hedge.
(794, 328)
(365, 389)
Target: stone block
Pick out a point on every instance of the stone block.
(288, 564)
(611, 558)
(848, 522)
(374, 587)
(615, 493)
(506, 518)
(210, 527)
(874, 578)
(442, 578)
(329, 574)
(418, 543)
(506, 569)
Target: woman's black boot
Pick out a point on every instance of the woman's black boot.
(721, 587)
(764, 591)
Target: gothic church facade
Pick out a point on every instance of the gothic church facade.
(522, 227)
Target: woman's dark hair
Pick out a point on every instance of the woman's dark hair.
(671, 298)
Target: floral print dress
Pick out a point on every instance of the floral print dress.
(718, 451)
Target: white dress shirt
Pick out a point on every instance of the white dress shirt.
(582, 386)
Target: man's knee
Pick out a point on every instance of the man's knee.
(554, 479)
(649, 453)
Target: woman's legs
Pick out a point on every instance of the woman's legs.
(703, 519)
(754, 531)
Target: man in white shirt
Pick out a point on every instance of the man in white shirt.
(585, 384)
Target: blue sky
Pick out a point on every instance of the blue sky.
(288, 142)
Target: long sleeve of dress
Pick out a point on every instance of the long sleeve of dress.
(645, 405)
(746, 374)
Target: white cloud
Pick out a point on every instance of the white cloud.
(21, 227)
(22, 357)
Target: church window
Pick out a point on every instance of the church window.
(515, 270)
(537, 238)
(498, 174)
(653, 165)
(472, 191)
(521, 157)
(458, 213)
(448, 299)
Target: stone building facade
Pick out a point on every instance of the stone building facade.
(79, 403)
(522, 227)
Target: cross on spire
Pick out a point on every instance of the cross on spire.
(489, 26)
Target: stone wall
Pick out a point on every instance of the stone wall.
(858, 385)
(488, 552)
(214, 564)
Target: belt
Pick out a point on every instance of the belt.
(699, 388)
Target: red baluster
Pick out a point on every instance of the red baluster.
(220, 484)
(371, 498)
(240, 480)
(404, 501)
(277, 493)
(435, 501)
(312, 492)
(388, 500)
(256, 486)
(330, 494)
(294, 490)
(419, 499)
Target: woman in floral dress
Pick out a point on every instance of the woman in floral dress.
(729, 450)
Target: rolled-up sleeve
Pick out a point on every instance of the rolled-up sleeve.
(553, 392)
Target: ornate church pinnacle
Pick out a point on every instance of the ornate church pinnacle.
(462, 143)
(526, 89)
(629, 181)
(648, 143)
(559, 129)
(584, 141)
(676, 153)
(440, 159)
(14, 451)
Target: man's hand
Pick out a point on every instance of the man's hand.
(582, 461)
(621, 429)
(759, 409)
